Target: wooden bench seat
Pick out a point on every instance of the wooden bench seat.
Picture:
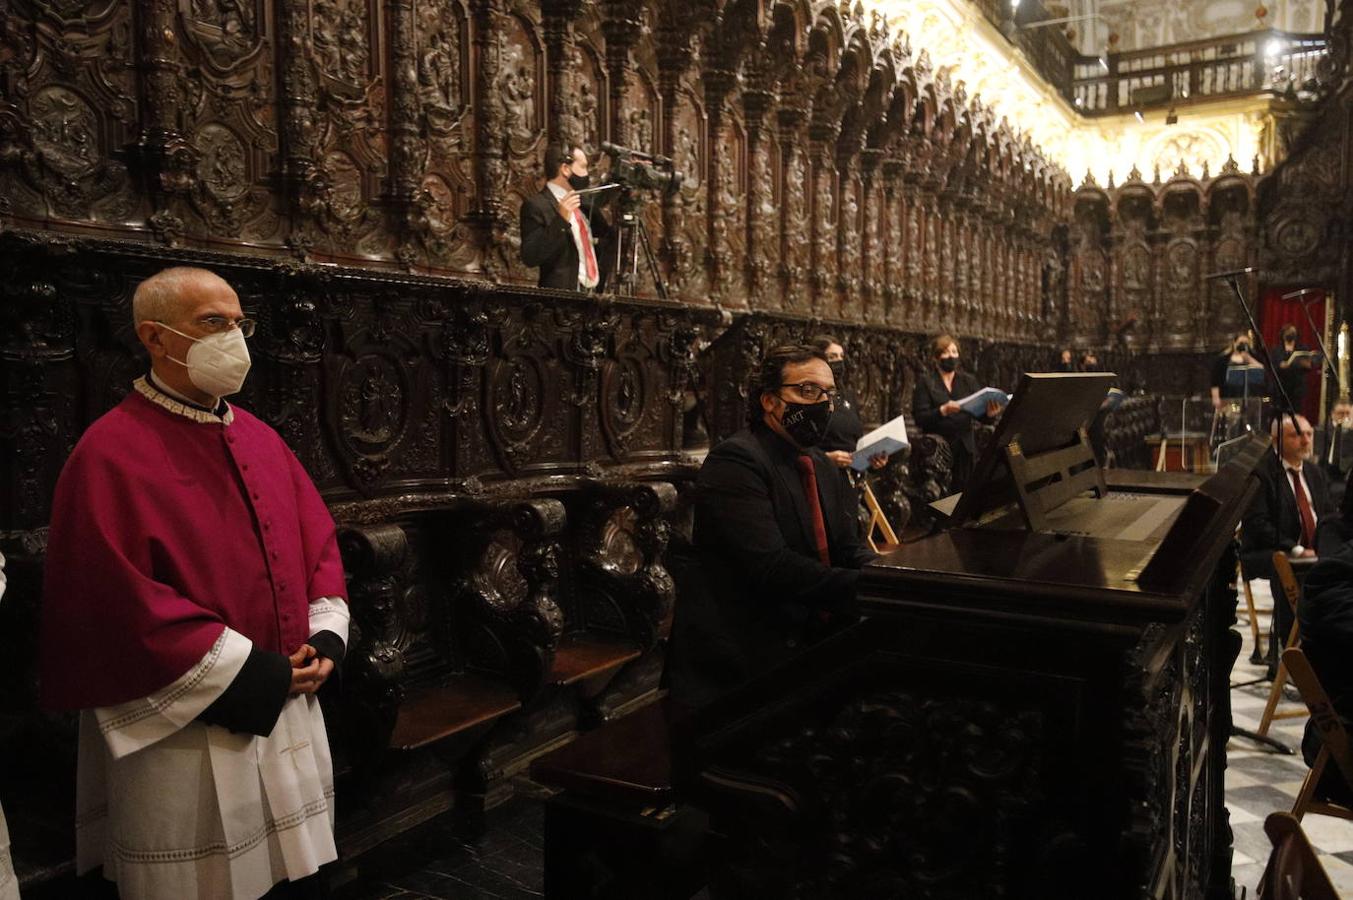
(464, 702)
(584, 656)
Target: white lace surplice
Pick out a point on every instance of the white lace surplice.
(175, 809)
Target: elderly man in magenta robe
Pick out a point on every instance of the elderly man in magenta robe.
(194, 603)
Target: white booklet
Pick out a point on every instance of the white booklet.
(888, 438)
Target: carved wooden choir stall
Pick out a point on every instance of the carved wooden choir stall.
(509, 467)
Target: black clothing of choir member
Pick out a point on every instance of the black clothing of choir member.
(1273, 521)
(1326, 615)
(1292, 375)
(764, 586)
(956, 428)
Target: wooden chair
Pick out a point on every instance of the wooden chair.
(1257, 655)
(1294, 871)
(1334, 740)
(1291, 594)
(878, 522)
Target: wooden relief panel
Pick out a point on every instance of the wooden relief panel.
(71, 105)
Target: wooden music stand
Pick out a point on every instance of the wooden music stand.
(878, 521)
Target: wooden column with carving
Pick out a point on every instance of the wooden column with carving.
(404, 184)
(489, 216)
(167, 159)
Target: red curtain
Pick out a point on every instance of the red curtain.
(1274, 313)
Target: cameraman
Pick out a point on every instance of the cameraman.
(559, 229)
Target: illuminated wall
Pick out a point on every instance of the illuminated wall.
(956, 36)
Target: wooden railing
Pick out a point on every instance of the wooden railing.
(1237, 65)
(1047, 48)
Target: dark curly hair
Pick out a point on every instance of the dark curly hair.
(771, 373)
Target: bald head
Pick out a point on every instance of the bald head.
(1296, 438)
(174, 309)
(166, 295)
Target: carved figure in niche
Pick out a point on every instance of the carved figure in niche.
(640, 129)
(517, 87)
(225, 26)
(583, 108)
(688, 159)
(221, 165)
(521, 404)
(374, 405)
(64, 129)
(439, 77)
(338, 34)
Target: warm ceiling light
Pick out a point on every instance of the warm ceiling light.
(1273, 48)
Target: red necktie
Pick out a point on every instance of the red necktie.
(808, 474)
(587, 245)
(1303, 509)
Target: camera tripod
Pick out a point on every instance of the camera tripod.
(630, 237)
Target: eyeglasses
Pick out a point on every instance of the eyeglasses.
(218, 324)
(812, 392)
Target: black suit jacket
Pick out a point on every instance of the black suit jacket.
(547, 240)
(763, 589)
(1272, 522)
(1326, 615)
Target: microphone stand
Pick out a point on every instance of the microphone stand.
(1285, 409)
(1333, 374)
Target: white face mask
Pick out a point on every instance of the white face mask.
(216, 363)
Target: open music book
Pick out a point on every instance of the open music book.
(888, 438)
(975, 404)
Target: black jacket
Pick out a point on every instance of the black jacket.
(764, 589)
(1272, 522)
(547, 240)
(1326, 615)
(931, 394)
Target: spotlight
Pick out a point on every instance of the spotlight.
(1273, 48)
(1140, 118)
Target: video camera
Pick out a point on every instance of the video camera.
(633, 169)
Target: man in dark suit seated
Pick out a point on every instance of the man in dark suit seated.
(559, 227)
(775, 533)
(1293, 496)
(1326, 613)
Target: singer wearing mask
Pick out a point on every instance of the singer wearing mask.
(934, 403)
(776, 534)
(1237, 355)
(846, 428)
(560, 228)
(1292, 372)
(194, 603)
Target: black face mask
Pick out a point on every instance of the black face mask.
(1242, 347)
(838, 367)
(579, 182)
(806, 423)
(949, 363)
(1290, 338)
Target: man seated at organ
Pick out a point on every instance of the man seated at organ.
(776, 534)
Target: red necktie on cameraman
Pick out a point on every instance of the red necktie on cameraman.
(586, 236)
(808, 475)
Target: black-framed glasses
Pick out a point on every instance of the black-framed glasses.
(813, 392)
